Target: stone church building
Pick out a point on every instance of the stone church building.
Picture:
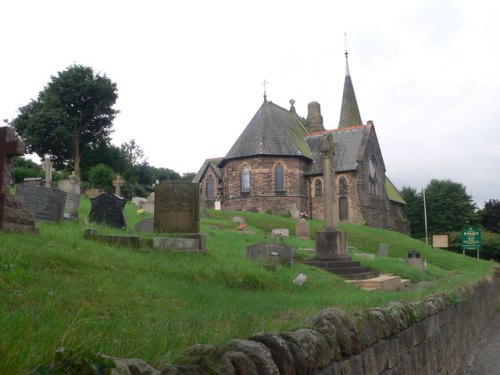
(275, 166)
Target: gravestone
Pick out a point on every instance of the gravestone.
(177, 207)
(118, 183)
(383, 250)
(271, 253)
(145, 225)
(149, 205)
(46, 203)
(47, 167)
(294, 211)
(303, 230)
(280, 232)
(108, 209)
(71, 186)
(139, 202)
(13, 218)
(217, 205)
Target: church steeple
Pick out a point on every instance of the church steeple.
(349, 112)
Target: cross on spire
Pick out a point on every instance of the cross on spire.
(264, 83)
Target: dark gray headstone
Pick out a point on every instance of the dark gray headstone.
(46, 203)
(272, 253)
(108, 209)
(177, 207)
(146, 225)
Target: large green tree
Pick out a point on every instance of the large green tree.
(490, 215)
(449, 207)
(414, 210)
(72, 115)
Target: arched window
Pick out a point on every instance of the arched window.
(245, 180)
(279, 178)
(318, 188)
(342, 186)
(372, 175)
(210, 187)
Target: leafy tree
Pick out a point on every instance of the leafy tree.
(109, 155)
(490, 216)
(72, 115)
(24, 168)
(415, 211)
(188, 176)
(101, 176)
(133, 153)
(449, 207)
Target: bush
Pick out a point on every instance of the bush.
(101, 176)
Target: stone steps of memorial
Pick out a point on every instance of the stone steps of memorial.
(342, 265)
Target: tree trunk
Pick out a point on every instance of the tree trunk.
(77, 149)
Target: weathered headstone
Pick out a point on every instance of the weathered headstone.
(303, 230)
(139, 201)
(383, 250)
(149, 206)
(145, 225)
(271, 253)
(217, 205)
(13, 218)
(47, 167)
(118, 183)
(46, 203)
(177, 207)
(294, 211)
(71, 186)
(108, 209)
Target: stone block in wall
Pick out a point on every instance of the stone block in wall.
(431, 325)
(258, 353)
(317, 352)
(380, 350)
(280, 351)
(369, 362)
(405, 339)
(418, 333)
(393, 355)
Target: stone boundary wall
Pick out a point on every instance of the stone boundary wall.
(432, 336)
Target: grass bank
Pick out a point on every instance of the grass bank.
(58, 289)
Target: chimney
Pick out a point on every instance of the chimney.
(314, 119)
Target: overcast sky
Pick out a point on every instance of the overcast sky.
(190, 73)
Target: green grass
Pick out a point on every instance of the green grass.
(58, 289)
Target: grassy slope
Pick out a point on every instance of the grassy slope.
(60, 290)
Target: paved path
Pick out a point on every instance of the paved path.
(485, 359)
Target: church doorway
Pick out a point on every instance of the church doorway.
(343, 209)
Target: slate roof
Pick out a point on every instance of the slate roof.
(272, 131)
(214, 163)
(349, 111)
(348, 143)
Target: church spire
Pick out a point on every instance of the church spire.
(349, 112)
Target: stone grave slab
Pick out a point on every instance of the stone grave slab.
(108, 209)
(46, 203)
(303, 230)
(383, 250)
(177, 207)
(145, 225)
(271, 253)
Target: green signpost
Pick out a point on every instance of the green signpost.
(471, 240)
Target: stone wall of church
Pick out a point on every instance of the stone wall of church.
(205, 200)
(263, 196)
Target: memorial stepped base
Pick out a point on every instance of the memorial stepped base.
(13, 218)
(342, 265)
(382, 282)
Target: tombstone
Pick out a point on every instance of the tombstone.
(145, 225)
(70, 184)
(45, 202)
(280, 232)
(303, 230)
(34, 181)
(294, 212)
(139, 201)
(118, 183)
(217, 205)
(13, 217)
(47, 167)
(271, 253)
(108, 209)
(383, 250)
(149, 206)
(177, 207)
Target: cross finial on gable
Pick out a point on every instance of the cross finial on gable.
(264, 84)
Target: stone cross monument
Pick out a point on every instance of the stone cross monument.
(12, 216)
(118, 183)
(47, 167)
(330, 241)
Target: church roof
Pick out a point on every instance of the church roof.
(392, 192)
(214, 163)
(348, 144)
(349, 112)
(272, 131)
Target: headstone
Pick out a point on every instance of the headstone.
(46, 203)
(70, 185)
(47, 167)
(34, 181)
(383, 250)
(177, 207)
(149, 206)
(280, 232)
(139, 201)
(217, 205)
(271, 253)
(145, 225)
(303, 230)
(13, 218)
(294, 212)
(72, 206)
(118, 183)
(108, 209)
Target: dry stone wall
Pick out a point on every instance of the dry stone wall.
(433, 336)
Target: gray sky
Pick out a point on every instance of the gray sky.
(189, 73)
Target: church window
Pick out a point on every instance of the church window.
(279, 178)
(210, 187)
(372, 175)
(342, 186)
(245, 180)
(318, 188)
